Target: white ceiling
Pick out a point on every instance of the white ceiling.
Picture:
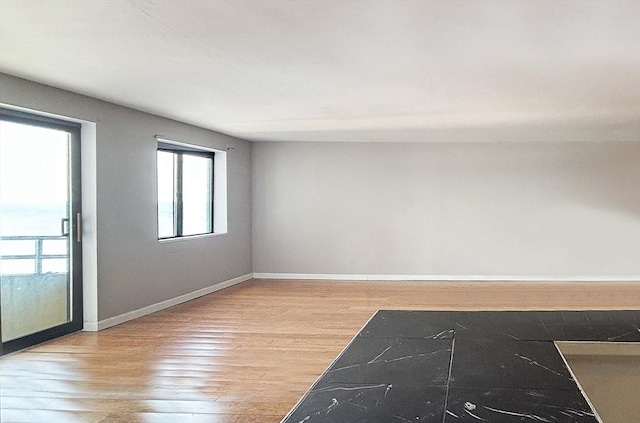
(345, 70)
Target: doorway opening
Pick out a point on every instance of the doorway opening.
(40, 229)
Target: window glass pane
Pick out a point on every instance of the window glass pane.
(166, 197)
(34, 179)
(35, 197)
(54, 266)
(17, 247)
(17, 267)
(54, 246)
(197, 173)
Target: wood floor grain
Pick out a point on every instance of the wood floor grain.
(244, 354)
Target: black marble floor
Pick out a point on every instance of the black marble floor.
(420, 366)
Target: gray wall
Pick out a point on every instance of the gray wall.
(529, 209)
(505, 209)
(134, 270)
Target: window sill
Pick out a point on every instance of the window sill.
(191, 237)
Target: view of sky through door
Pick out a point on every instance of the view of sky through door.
(34, 215)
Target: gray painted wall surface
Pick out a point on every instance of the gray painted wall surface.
(134, 270)
(530, 209)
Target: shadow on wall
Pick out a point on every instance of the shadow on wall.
(608, 178)
(598, 175)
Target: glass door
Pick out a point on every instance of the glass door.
(40, 229)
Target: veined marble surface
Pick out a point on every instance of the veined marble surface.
(420, 366)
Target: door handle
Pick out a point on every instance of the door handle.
(79, 227)
(64, 226)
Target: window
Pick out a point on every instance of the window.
(185, 190)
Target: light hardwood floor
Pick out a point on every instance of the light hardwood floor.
(244, 354)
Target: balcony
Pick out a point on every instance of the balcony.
(35, 284)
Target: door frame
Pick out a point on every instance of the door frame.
(75, 230)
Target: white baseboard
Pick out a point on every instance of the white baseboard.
(116, 320)
(479, 278)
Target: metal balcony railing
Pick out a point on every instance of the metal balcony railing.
(38, 255)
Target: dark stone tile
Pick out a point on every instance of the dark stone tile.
(505, 368)
(410, 324)
(508, 325)
(595, 333)
(509, 364)
(626, 316)
(608, 326)
(592, 317)
(516, 405)
(371, 403)
(393, 360)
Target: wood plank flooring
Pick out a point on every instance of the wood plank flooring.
(244, 354)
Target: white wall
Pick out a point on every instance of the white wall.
(543, 210)
(133, 269)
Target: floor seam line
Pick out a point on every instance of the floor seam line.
(446, 394)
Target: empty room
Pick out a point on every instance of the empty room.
(319, 211)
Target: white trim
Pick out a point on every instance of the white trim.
(45, 114)
(220, 192)
(190, 237)
(365, 277)
(116, 320)
(89, 185)
(189, 145)
(90, 326)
